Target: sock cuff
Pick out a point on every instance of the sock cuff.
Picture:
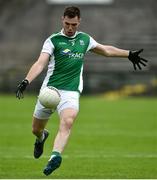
(56, 153)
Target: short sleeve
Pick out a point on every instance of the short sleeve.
(48, 47)
(92, 44)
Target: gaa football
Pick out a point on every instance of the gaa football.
(49, 97)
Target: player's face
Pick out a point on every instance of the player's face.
(70, 25)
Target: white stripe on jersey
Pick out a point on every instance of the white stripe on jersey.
(50, 71)
(80, 88)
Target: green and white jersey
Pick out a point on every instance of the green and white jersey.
(66, 60)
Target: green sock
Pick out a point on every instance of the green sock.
(54, 153)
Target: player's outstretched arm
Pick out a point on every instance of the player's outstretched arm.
(34, 71)
(111, 51)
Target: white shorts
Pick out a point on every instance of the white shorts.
(69, 99)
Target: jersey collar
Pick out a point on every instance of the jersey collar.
(62, 33)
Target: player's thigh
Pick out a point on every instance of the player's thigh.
(40, 112)
(69, 102)
(40, 117)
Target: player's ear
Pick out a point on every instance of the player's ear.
(79, 20)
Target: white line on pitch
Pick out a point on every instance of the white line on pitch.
(90, 156)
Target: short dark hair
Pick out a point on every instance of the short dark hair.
(72, 12)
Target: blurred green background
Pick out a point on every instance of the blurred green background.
(110, 139)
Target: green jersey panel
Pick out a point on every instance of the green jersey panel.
(68, 57)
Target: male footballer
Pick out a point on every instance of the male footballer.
(63, 53)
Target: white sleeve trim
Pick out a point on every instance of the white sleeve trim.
(92, 44)
(48, 47)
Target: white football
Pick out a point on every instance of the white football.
(49, 97)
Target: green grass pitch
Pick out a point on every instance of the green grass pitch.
(110, 139)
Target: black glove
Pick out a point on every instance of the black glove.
(136, 59)
(21, 87)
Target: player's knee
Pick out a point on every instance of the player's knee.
(67, 122)
(67, 119)
(35, 131)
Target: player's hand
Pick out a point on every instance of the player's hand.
(136, 59)
(21, 87)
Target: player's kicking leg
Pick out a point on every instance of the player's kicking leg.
(38, 129)
(67, 117)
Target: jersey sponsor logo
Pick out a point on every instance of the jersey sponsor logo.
(76, 55)
(66, 51)
(70, 54)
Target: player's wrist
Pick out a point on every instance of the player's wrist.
(130, 55)
(26, 82)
